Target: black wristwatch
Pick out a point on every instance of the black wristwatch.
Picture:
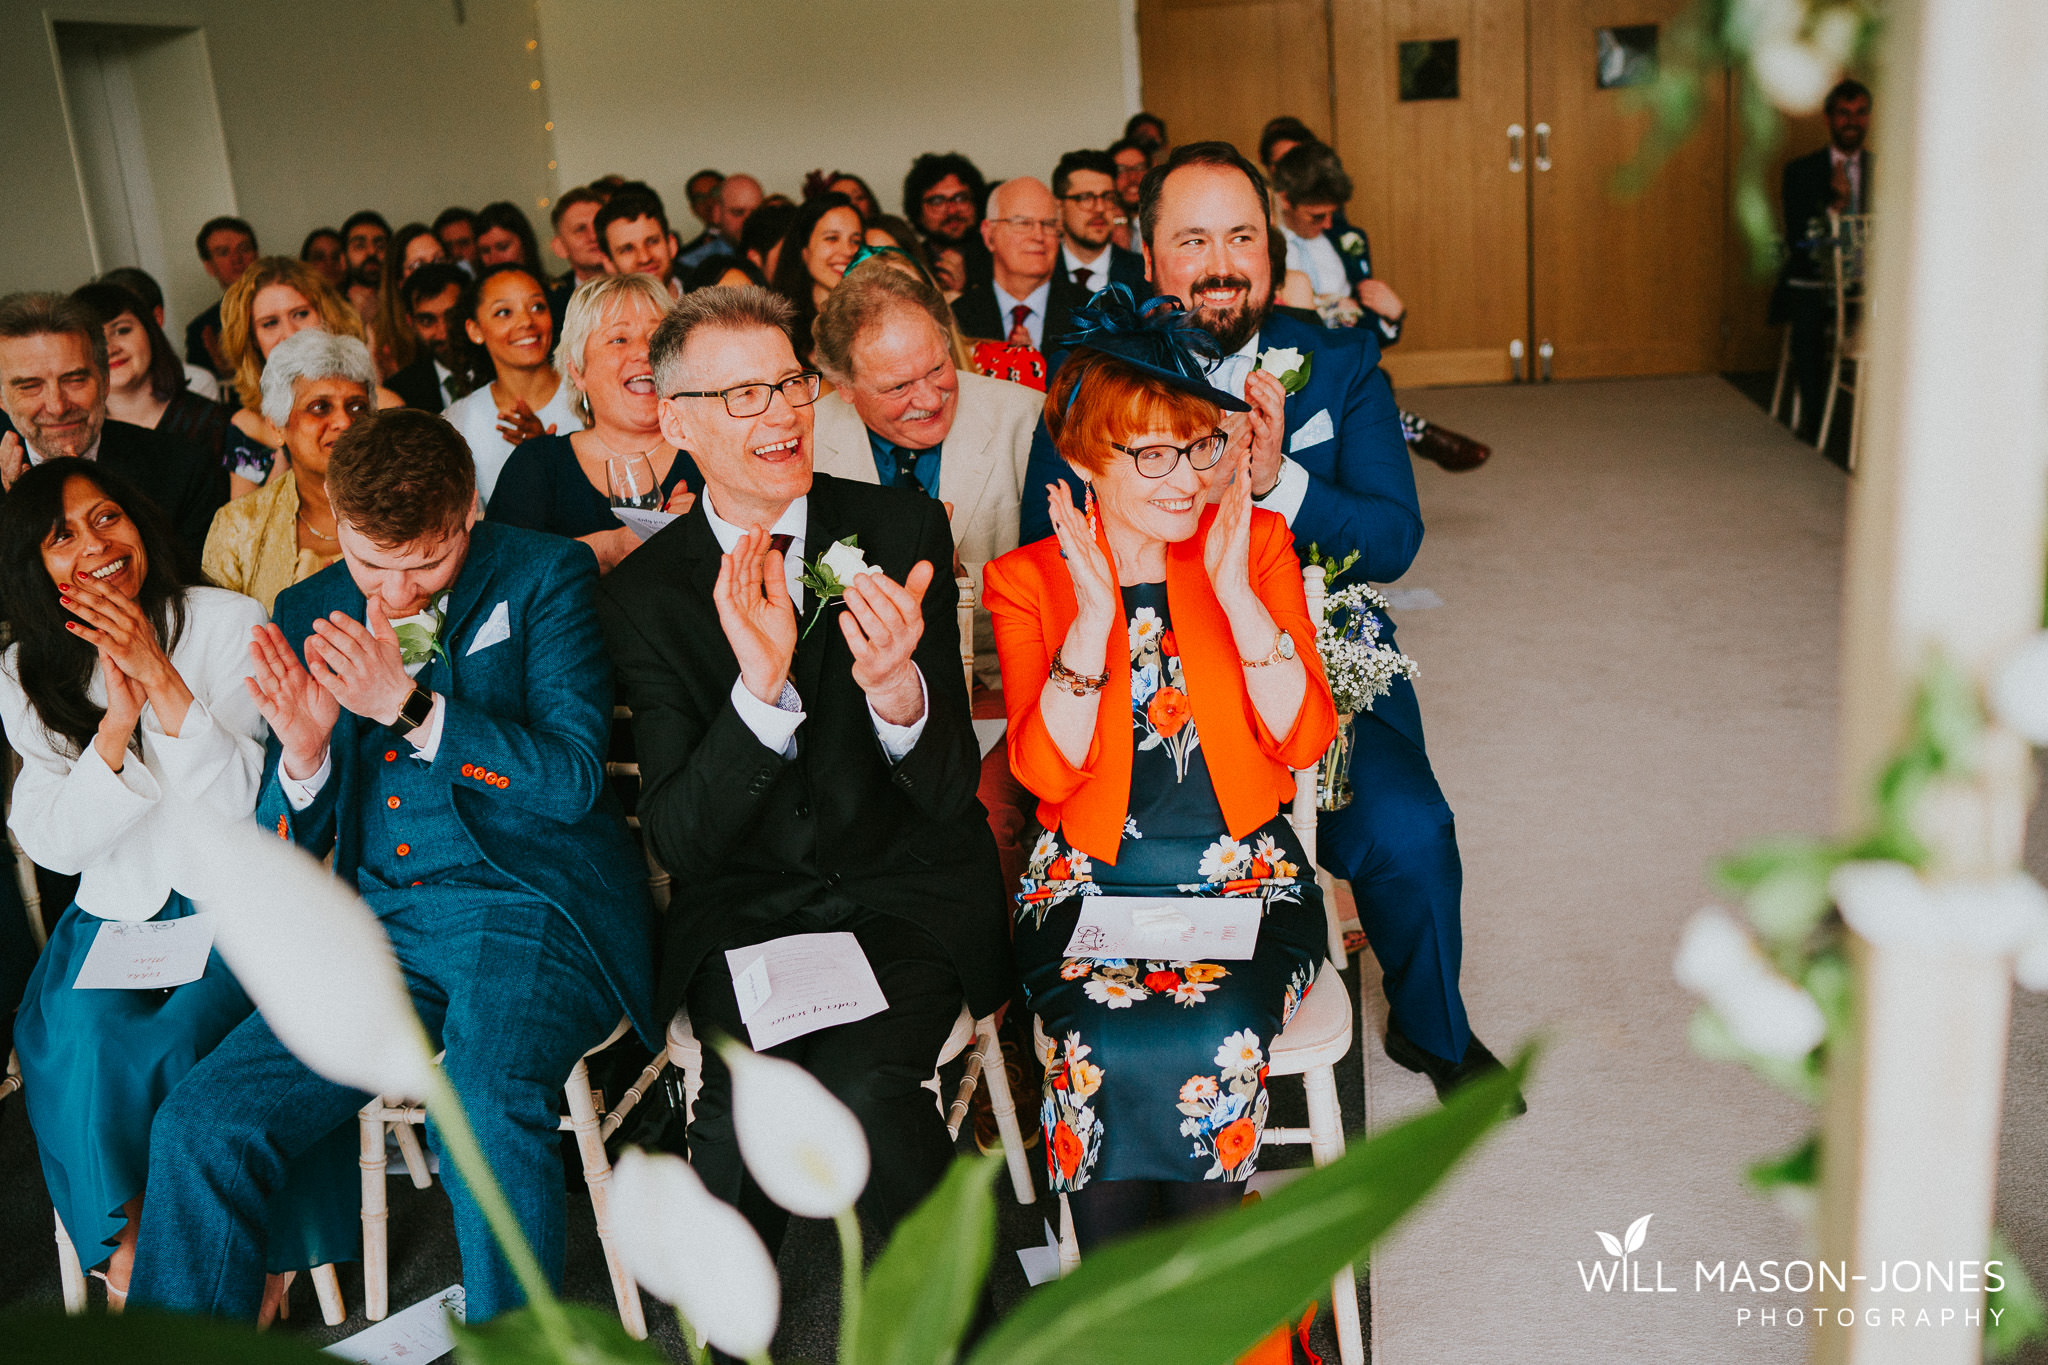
(419, 704)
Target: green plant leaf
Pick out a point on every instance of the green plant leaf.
(2021, 1316)
(1217, 1286)
(920, 1293)
(1800, 1166)
(159, 1338)
(515, 1338)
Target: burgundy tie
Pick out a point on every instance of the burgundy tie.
(1081, 274)
(780, 542)
(1019, 334)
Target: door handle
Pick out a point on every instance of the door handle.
(1516, 352)
(1514, 149)
(1542, 146)
(1543, 355)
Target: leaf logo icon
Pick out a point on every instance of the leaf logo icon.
(1637, 1231)
(1607, 1240)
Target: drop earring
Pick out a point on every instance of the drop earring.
(1088, 502)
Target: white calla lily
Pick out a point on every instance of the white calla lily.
(1890, 903)
(308, 952)
(696, 1251)
(804, 1148)
(2019, 692)
(1794, 76)
(1763, 1011)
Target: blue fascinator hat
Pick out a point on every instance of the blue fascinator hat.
(1158, 337)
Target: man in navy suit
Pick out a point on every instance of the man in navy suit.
(444, 737)
(1331, 459)
(1835, 177)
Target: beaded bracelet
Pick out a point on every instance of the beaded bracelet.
(1080, 684)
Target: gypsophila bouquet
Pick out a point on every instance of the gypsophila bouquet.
(1360, 668)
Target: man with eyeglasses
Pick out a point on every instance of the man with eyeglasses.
(1020, 302)
(942, 197)
(1085, 184)
(808, 766)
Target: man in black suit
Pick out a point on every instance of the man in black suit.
(1085, 184)
(1026, 300)
(53, 387)
(804, 775)
(1835, 177)
(439, 373)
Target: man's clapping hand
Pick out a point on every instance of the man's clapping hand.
(754, 610)
(883, 622)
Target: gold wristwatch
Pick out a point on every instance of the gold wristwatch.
(1283, 648)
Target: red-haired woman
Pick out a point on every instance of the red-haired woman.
(1161, 676)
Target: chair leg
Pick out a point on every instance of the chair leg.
(1070, 1242)
(597, 1176)
(1827, 411)
(997, 1077)
(69, 1271)
(415, 1155)
(1855, 415)
(327, 1288)
(376, 1211)
(1326, 1141)
(1784, 369)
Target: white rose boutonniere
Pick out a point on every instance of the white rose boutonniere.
(1352, 244)
(828, 574)
(1288, 365)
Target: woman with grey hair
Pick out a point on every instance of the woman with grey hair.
(315, 386)
(568, 485)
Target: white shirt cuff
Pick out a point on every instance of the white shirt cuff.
(898, 740)
(426, 738)
(299, 792)
(775, 726)
(1288, 491)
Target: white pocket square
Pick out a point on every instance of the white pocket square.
(498, 627)
(1313, 432)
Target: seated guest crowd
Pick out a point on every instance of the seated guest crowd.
(382, 601)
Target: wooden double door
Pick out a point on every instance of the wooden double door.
(1484, 137)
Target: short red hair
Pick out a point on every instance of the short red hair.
(1097, 400)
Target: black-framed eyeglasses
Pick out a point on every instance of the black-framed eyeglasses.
(751, 400)
(1092, 199)
(1156, 462)
(939, 201)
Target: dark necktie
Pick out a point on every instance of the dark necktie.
(1081, 274)
(906, 468)
(1020, 335)
(780, 542)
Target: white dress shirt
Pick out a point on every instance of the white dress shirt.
(776, 726)
(1098, 269)
(1006, 309)
(74, 814)
(1288, 491)
(1853, 162)
(202, 382)
(1318, 259)
(425, 738)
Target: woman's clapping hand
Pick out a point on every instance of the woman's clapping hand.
(1098, 604)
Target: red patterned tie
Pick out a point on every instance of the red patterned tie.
(1019, 334)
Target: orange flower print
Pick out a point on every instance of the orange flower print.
(1162, 982)
(1168, 711)
(1066, 1149)
(1203, 971)
(1059, 871)
(1169, 646)
(1234, 1143)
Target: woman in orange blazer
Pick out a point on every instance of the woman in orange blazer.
(1161, 678)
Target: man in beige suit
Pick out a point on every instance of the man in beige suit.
(904, 414)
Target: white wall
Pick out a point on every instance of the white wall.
(325, 108)
(660, 88)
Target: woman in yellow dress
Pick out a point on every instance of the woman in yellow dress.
(315, 386)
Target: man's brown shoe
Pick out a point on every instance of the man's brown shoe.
(1455, 453)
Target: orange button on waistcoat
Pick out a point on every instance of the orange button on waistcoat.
(391, 755)
(469, 770)
(404, 849)
(391, 801)
(504, 782)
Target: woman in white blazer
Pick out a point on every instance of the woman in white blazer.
(124, 693)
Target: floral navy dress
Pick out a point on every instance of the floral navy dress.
(1157, 1070)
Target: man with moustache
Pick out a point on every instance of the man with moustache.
(808, 766)
(1085, 184)
(53, 389)
(438, 375)
(1332, 460)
